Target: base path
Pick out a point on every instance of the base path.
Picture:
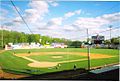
(40, 64)
(1, 51)
(57, 57)
(32, 60)
(45, 64)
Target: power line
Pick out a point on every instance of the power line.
(106, 30)
(101, 32)
(115, 28)
(21, 16)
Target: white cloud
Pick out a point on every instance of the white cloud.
(2, 18)
(3, 11)
(59, 20)
(38, 9)
(41, 6)
(7, 21)
(95, 25)
(56, 21)
(53, 3)
(111, 17)
(33, 16)
(3, 14)
(17, 20)
(36, 12)
(90, 22)
(78, 12)
(70, 14)
(69, 28)
(96, 22)
(4, 27)
(77, 30)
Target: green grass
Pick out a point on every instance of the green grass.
(16, 64)
(100, 51)
(100, 62)
(65, 57)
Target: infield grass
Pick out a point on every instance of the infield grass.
(49, 57)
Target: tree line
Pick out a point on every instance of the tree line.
(21, 37)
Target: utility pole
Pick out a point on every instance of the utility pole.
(110, 34)
(88, 50)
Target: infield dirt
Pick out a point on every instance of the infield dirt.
(45, 64)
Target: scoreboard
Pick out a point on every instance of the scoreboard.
(98, 39)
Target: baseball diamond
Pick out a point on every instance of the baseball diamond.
(20, 63)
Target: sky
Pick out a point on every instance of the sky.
(62, 19)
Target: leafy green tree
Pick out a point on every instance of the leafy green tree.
(75, 44)
(21, 37)
(107, 42)
(115, 40)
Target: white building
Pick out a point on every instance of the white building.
(58, 45)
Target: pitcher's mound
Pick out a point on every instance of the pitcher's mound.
(43, 64)
(56, 56)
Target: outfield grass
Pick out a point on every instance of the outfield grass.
(19, 65)
(100, 51)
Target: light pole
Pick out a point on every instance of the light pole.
(88, 50)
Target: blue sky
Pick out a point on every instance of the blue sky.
(61, 18)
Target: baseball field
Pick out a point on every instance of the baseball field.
(26, 62)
